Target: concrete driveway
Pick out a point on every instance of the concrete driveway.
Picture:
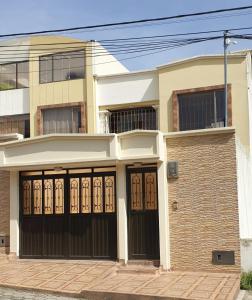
(12, 294)
(109, 280)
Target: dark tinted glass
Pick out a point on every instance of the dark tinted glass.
(201, 110)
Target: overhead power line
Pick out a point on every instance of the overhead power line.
(150, 52)
(126, 49)
(109, 47)
(202, 13)
(110, 42)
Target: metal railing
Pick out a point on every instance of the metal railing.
(144, 118)
(18, 124)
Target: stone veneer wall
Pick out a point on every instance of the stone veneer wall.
(4, 207)
(206, 192)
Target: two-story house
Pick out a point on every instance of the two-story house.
(124, 165)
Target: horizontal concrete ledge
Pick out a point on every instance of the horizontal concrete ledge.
(93, 162)
(138, 132)
(80, 163)
(211, 131)
(67, 136)
(10, 137)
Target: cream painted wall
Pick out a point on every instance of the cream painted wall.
(202, 73)
(12, 48)
(56, 92)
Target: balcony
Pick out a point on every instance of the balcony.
(117, 121)
(15, 124)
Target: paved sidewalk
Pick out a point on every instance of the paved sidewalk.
(97, 280)
(12, 294)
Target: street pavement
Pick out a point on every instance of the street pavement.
(12, 294)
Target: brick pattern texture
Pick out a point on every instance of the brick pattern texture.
(206, 193)
(4, 207)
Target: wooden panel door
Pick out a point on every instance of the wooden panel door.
(143, 227)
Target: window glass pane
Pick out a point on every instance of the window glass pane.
(37, 197)
(86, 195)
(7, 77)
(45, 69)
(60, 67)
(59, 196)
(61, 120)
(136, 191)
(48, 196)
(196, 111)
(150, 191)
(23, 74)
(74, 195)
(220, 106)
(97, 195)
(76, 63)
(109, 194)
(27, 197)
(68, 66)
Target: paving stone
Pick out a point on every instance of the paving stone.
(12, 294)
(76, 277)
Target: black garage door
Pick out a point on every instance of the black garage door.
(68, 214)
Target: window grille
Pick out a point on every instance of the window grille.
(201, 110)
(130, 119)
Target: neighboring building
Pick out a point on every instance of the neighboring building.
(96, 174)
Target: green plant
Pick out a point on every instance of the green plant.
(246, 281)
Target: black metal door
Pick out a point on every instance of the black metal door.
(143, 227)
(71, 215)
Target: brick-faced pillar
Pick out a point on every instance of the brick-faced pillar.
(4, 211)
(14, 213)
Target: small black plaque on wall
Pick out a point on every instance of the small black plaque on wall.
(172, 169)
(223, 257)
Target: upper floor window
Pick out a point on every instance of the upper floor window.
(133, 118)
(15, 124)
(14, 75)
(62, 120)
(200, 109)
(61, 66)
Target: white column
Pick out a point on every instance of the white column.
(122, 231)
(14, 212)
(163, 210)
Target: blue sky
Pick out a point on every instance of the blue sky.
(33, 15)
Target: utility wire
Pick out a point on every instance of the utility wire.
(111, 48)
(123, 59)
(107, 42)
(162, 23)
(126, 50)
(209, 12)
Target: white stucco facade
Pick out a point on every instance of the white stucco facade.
(127, 88)
(14, 102)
